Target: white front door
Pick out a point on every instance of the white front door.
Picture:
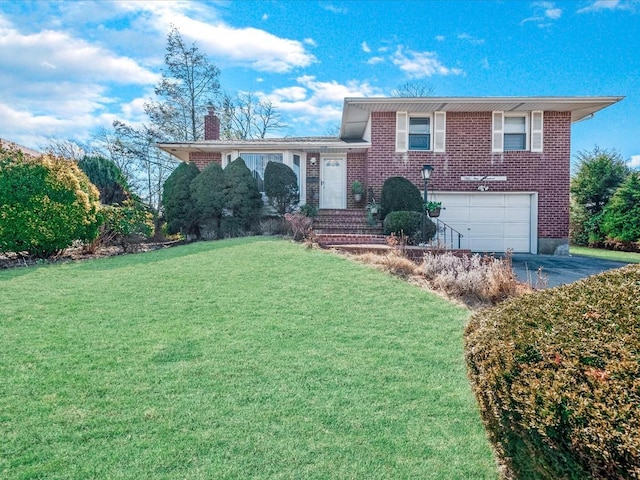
(333, 182)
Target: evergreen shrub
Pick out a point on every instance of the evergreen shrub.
(408, 224)
(108, 179)
(399, 194)
(179, 207)
(557, 377)
(621, 218)
(45, 204)
(281, 186)
(242, 199)
(207, 191)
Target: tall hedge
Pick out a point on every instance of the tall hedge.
(281, 186)
(45, 204)
(399, 194)
(243, 201)
(557, 377)
(179, 207)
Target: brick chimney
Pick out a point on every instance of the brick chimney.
(211, 125)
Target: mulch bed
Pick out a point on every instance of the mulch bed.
(15, 260)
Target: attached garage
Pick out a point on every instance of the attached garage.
(492, 222)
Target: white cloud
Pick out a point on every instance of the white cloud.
(440, 38)
(265, 17)
(470, 39)
(545, 12)
(317, 103)
(335, 9)
(311, 42)
(421, 64)
(634, 161)
(600, 5)
(365, 47)
(375, 60)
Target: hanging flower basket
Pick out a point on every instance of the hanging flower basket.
(433, 208)
(434, 212)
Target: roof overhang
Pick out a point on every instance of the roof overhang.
(356, 111)
(329, 145)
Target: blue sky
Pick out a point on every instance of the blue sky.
(69, 68)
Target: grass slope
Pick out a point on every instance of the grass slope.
(625, 257)
(246, 358)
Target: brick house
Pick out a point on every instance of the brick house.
(501, 165)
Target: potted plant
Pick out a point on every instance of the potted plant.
(372, 210)
(433, 208)
(357, 189)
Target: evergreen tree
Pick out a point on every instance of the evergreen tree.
(621, 219)
(208, 190)
(179, 208)
(241, 198)
(107, 178)
(281, 186)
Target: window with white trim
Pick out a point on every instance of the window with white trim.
(421, 132)
(517, 131)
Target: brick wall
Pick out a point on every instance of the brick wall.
(202, 159)
(468, 152)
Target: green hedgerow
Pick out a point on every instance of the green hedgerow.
(281, 186)
(179, 207)
(46, 203)
(557, 377)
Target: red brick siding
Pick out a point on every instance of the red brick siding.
(468, 152)
(356, 165)
(202, 159)
(313, 172)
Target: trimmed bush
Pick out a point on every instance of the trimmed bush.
(45, 204)
(399, 194)
(179, 207)
(207, 191)
(408, 224)
(557, 377)
(281, 186)
(242, 199)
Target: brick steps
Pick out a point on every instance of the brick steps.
(333, 239)
(345, 222)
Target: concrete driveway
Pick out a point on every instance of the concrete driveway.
(558, 269)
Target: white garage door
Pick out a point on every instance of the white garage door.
(490, 222)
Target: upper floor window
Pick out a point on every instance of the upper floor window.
(419, 133)
(416, 132)
(516, 131)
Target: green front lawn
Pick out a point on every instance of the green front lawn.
(248, 358)
(625, 257)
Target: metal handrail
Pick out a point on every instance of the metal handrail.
(441, 226)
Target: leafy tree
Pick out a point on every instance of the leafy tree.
(399, 194)
(598, 173)
(189, 83)
(621, 218)
(107, 178)
(45, 204)
(208, 192)
(281, 186)
(241, 198)
(179, 208)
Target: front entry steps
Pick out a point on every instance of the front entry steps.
(353, 221)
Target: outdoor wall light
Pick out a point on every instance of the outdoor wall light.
(313, 161)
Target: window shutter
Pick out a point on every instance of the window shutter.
(536, 131)
(497, 130)
(439, 131)
(402, 134)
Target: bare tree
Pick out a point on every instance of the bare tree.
(189, 83)
(413, 89)
(245, 116)
(65, 148)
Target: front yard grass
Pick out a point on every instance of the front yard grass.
(625, 257)
(247, 358)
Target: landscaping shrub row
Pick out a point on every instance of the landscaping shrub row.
(557, 377)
